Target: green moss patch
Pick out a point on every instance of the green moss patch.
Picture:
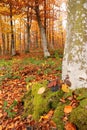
(39, 104)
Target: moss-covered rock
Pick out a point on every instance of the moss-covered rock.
(39, 104)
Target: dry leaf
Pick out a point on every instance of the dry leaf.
(68, 109)
(44, 117)
(1, 115)
(52, 124)
(47, 116)
(65, 118)
(0, 127)
(50, 113)
(70, 126)
(65, 88)
(41, 90)
(62, 100)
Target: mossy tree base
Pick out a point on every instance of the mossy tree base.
(40, 104)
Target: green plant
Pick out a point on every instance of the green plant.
(58, 54)
(39, 71)
(8, 75)
(30, 78)
(10, 110)
(36, 61)
(25, 61)
(16, 77)
(50, 62)
(48, 70)
(59, 68)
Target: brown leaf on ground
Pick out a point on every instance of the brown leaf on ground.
(62, 100)
(70, 126)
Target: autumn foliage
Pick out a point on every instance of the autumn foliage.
(21, 23)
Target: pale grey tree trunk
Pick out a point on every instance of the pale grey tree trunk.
(75, 53)
(42, 30)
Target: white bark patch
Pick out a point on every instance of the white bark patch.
(78, 2)
(83, 15)
(77, 76)
(85, 5)
(83, 21)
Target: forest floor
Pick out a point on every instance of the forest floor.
(15, 74)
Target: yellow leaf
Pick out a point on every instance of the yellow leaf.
(65, 88)
(28, 86)
(44, 117)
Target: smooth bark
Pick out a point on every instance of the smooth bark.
(75, 53)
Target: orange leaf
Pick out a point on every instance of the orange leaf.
(68, 109)
(0, 127)
(1, 115)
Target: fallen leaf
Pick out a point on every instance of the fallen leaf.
(1, 115)
(70, 126)
(68, 109)
(62, 100)
(50, 113)
(52, 124)
(41, 90)
(47, 116)
(65, 118)
(44, 117)
(65, 88)
(0, 127)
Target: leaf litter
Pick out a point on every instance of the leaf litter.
(13, 89)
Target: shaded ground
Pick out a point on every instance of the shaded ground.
(15, 73)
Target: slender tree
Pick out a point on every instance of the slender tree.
(29, 21)
(42, 30)
(75, 53)
(12, 32)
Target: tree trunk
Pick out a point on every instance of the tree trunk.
(45, 13)
(42, 30)
(29, 19)
(7, 43)
(75, 53)
(12, 33)
(1, 40)
(3, 44)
